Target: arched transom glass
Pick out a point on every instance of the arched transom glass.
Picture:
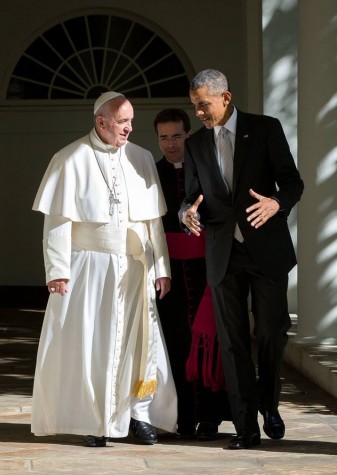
(85, 56)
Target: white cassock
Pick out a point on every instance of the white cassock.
(101, 344)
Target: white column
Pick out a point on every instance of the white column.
(317, 160)
(280, 88)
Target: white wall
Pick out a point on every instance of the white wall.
(317, 151)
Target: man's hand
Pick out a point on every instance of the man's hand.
(164, 285)
(58, 286)
(261, 211)
(189, 217)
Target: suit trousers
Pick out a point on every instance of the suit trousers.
(247, 390)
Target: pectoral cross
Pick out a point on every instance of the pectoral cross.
(112, 200)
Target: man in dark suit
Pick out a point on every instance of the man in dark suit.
(240, 165)
(203, 401)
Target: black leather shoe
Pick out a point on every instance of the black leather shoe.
(246, 440)
(92, 441)
(273, 424)
(185, 432)
(207, 431)
(144, 432)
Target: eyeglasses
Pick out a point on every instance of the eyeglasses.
(174, 138)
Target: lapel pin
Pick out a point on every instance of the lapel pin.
(245, 136)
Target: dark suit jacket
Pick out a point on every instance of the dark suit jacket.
(263, 162)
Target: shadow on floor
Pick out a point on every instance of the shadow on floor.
(20, 434)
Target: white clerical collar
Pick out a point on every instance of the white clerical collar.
(100, 145)
(175, 164)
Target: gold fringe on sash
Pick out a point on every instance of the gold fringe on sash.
(147, 380)
(145, 388)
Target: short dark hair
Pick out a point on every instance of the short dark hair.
(172, 115)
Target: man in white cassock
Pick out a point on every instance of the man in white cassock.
(102, 365)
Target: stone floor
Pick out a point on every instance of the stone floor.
(309, 447)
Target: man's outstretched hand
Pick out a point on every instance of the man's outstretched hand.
(260, 212)
(189, 217)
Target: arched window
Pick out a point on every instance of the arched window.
(85, 56)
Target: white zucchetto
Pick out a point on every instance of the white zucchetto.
(105, 97)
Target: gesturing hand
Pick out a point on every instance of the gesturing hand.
(189, 217)
(261, 211)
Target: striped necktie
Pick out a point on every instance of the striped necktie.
(225, 158)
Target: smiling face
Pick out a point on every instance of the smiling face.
(211, 109)
(114, 122)
(171, 138)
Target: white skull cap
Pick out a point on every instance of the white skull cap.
(105, 97)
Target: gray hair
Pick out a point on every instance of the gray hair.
(215, 81)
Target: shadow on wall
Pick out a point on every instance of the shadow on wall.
(280, 88)
(318, 302)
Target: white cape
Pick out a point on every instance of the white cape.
(73, 185)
